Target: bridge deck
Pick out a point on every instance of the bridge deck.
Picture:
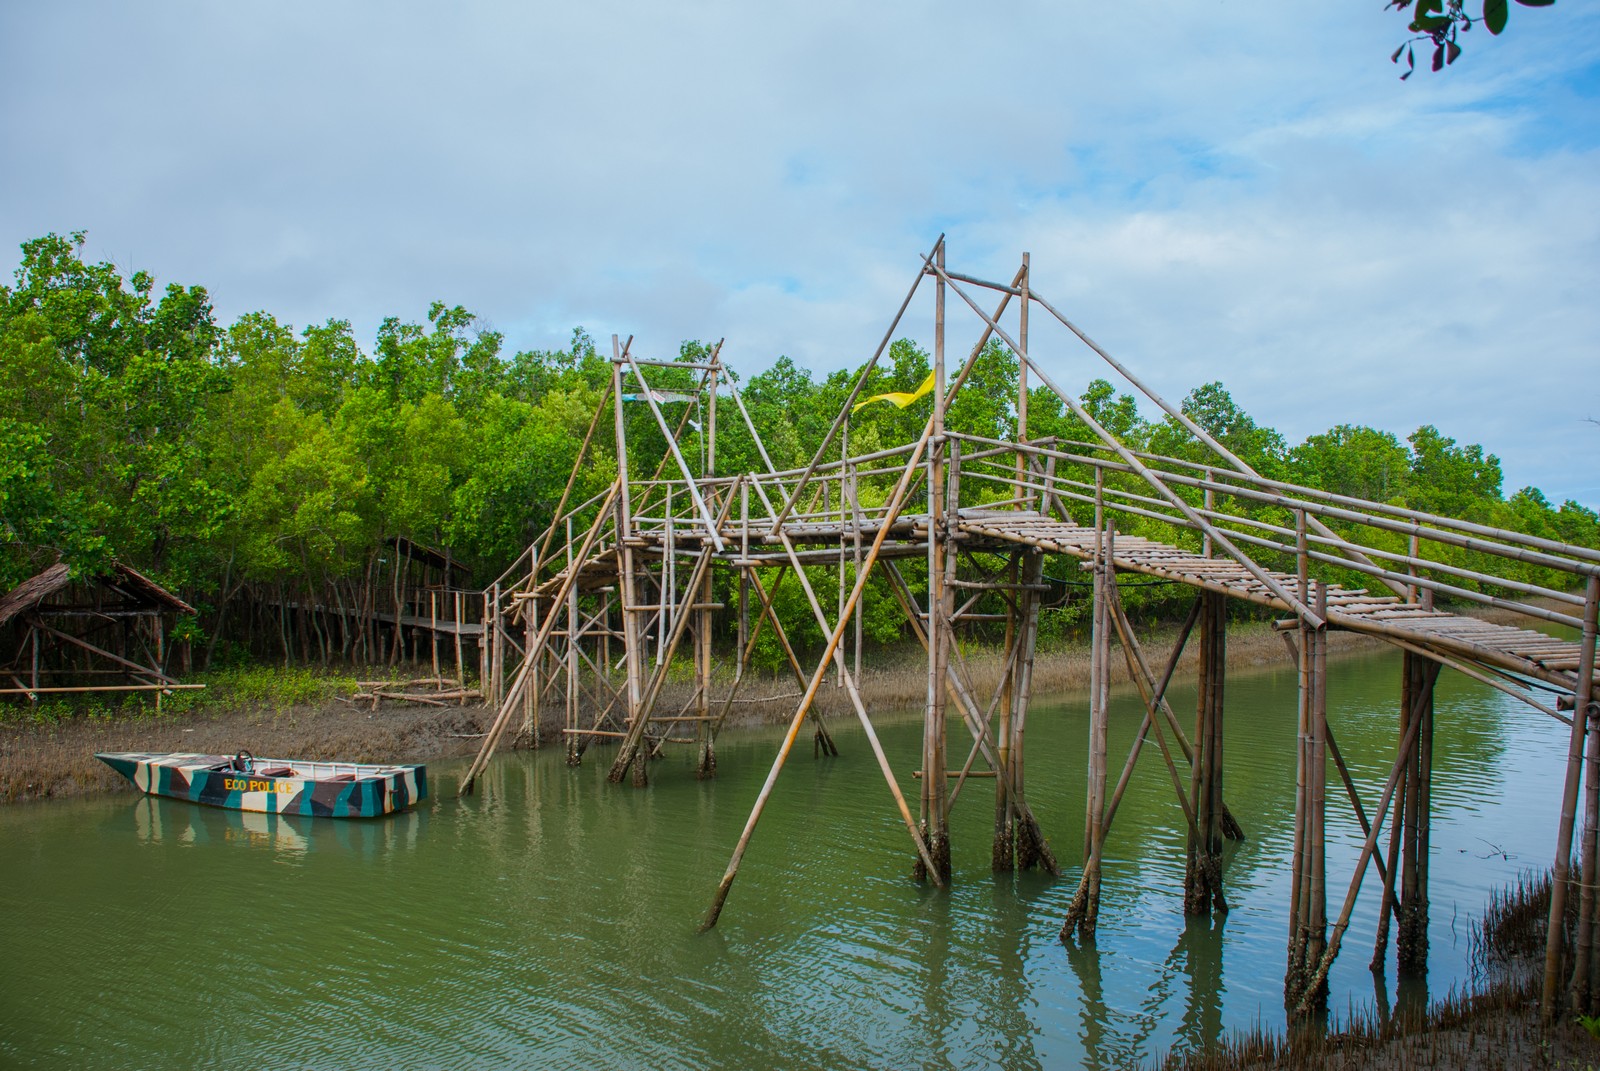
(1507, 647)
(1504, 647)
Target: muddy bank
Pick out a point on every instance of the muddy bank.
(51, 761)
(56, 760)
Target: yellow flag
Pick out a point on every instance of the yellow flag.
(899, 397)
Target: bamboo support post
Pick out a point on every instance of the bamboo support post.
(1202, 889)
(1583, 716)
(1411, 939)
(1084, 912)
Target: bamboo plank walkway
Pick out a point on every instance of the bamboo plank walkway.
(1517, 650)
(1504, 647)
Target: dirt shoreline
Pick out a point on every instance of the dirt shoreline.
(53, 761)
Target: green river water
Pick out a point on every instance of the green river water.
(549, 920)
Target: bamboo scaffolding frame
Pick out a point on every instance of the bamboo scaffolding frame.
(655, 544)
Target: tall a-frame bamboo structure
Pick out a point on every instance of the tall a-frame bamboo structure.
(596, 611)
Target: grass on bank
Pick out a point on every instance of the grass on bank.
(1491, 1024)
(268, 689)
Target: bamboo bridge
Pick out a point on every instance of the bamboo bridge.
(594, 613)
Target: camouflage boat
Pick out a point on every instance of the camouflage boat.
(280, 786)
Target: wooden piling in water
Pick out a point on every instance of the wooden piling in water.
(1308, 916)
(1202, 885)
(1583, 719)
(1083, 915)
(1411, 938)
(941, 610)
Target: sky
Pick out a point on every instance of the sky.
(1215, 190)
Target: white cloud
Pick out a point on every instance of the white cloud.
(1216, 192)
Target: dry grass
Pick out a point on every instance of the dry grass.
(1492, 1025)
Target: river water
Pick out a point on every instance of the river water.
(549, 920)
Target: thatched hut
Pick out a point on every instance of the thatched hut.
(102, 633)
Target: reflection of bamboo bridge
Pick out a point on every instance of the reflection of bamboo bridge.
(605, 599)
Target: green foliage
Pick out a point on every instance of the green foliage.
(104, 399)
(132, 426)
(1441, 22)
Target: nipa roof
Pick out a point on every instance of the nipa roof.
(123, 579)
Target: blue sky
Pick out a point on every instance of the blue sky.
(1224, 190)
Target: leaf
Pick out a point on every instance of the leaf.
(1452, 50)
(1411, 63)
(1536, 3)
(1438, 58)
(1396, 57)
(1494, 15)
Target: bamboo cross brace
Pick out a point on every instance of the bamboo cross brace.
(1332, 950)
(680, 623)
(1190, 425)
(672, 444)
(1231, 825)
(135, 669)
(761, 446)
(748, 649)
(948, 394)
(514, 693)
(1355, 800)
(1153, 703)
(978, 742)
(651, 485)
(600, 719)
(769, 612)
(968, 706)
(1297, 604)
(896, 502)
(851, 689)
(1154, 697)
(855, 392)
(572, 478)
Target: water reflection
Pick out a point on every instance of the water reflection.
(549, 919)
(157, 820)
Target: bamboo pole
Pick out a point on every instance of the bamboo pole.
(1412, 940)
(1296, 604)
(895, 502)
(941, 599)
(1317, 979)
(1318, 936)
(849, 402)
(1002, 855)
(1084, 912)
(1203, 873)
(1022, 366)
(1154, 695)
(433, 629)
(1582, 718)
(492, 737)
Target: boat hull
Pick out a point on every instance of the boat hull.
(322, 790)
